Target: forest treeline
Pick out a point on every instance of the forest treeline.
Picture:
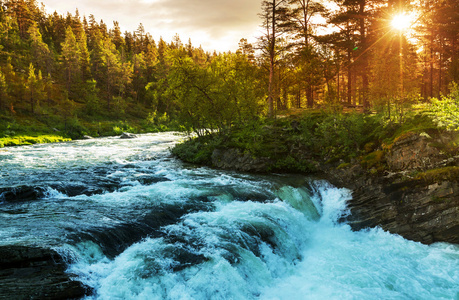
(68, 70)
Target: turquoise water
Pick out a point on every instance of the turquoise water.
(150, 227)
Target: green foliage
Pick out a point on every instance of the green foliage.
(417, 122)
(292, 164)
(30, 140)
(197, 150)
(214, 96)
(445, 111)
(123, 127)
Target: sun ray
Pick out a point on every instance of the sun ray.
(401, 21)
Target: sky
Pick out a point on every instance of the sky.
(213, 24)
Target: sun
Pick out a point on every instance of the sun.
(401, 21)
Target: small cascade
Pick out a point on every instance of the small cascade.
(133, 223)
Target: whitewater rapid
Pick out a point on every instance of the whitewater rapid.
(195, 233)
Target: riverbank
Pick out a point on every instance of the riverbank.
(403, 177)
(130, 221)
(29, 130)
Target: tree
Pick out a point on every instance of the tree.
(247, 50)
(117, 38)
(3, 91)
(214, 96)
(346, 40)
(34, 86)
(41, 55)
(438, 28)
(71, 60)
(273, 14)
(301, 28)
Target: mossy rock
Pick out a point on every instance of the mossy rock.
(438, 175)
(374, 159)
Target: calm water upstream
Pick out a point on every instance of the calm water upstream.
(138, 224)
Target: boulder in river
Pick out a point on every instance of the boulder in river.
(127, 135)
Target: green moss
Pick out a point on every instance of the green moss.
(415, 124)
(373, 160)
(30, 140)
(343, 166)
(438, 175)
(291, 164)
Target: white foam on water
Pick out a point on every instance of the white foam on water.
(255, 240)
(271, 250)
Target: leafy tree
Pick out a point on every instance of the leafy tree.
(214, 96)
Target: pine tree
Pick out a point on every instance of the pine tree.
(41, 55)
(34, 86)
(71, 60)
(3, 91)
(301, 28)
(273, 15)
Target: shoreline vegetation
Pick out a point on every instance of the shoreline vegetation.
(29, 130)
(312, 141)
(71, 75)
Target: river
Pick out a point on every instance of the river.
(135, 223)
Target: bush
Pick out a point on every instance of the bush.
(197, 150)
(445, 111)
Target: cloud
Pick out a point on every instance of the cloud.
(215, 24)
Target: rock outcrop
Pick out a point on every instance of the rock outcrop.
(234, 159)
(36, 273)
(416, 152)
(417, 195)
(415, 209)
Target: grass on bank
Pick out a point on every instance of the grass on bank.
(16, 130)
(299, 143)
(31, 140)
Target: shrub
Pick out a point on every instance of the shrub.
(445, 111)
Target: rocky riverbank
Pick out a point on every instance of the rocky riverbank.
(36, 273)
(410, 188)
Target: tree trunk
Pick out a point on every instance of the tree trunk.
(363, 41)
(271, 63)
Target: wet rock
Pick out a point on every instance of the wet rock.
(233, 159)
(87, 137)
(127, 135)
(419, 212)
(36, 273)
(76, 189)
(21, 193)
(113, 241)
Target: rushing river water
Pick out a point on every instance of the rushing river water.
(136, 223)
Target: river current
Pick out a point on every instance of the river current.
(135, 223)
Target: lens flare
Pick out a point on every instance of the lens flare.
(401, 21)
